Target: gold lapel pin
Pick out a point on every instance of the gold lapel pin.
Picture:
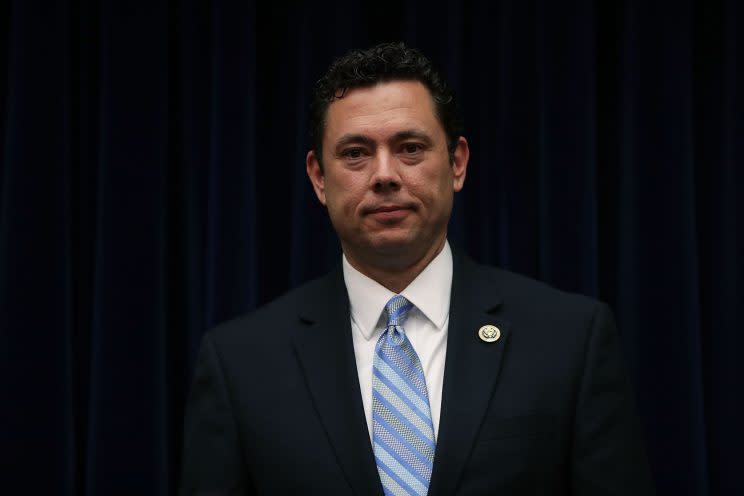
(489, 333)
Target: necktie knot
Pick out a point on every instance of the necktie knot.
(397, 309)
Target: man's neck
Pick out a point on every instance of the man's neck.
(396, 278)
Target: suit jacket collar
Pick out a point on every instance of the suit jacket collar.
(326, 354)
(471, 370)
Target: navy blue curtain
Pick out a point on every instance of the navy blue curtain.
(152, 184)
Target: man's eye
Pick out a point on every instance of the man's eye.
(412, 148)
(353, 153)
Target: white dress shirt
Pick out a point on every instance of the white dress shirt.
(426, 325)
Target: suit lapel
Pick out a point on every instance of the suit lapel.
(326, 353)
(471, 370)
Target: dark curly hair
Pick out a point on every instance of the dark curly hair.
(381, 63)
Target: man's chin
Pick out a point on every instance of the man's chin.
(392, 243)
(398, 251)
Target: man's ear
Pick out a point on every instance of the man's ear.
(315, 173)
(460, 163)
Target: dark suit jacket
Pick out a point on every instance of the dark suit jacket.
(275, 407)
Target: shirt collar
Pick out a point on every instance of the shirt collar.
(429, 292)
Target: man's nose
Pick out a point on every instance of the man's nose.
(386, 174)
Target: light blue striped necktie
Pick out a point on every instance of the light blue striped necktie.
(402, 429)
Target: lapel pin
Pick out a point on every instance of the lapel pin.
(489, 333)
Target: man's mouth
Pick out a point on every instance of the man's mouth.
(387, 208)
(388, 213)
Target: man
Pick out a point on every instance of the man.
(409, 369)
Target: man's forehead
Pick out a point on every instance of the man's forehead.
(380, 91)
(385, 104)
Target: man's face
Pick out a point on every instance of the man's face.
(388, 181)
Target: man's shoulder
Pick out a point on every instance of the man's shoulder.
(540, 316)
(518, 291)
(267, 321)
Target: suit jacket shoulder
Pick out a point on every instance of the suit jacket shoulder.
(282, 313)
(521, 291)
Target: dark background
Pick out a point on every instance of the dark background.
(152, 184)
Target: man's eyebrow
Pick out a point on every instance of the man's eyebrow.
(413, 134)
(353, 139)
(361, 139)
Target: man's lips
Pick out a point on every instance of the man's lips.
(389, 212)
(387, 207)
